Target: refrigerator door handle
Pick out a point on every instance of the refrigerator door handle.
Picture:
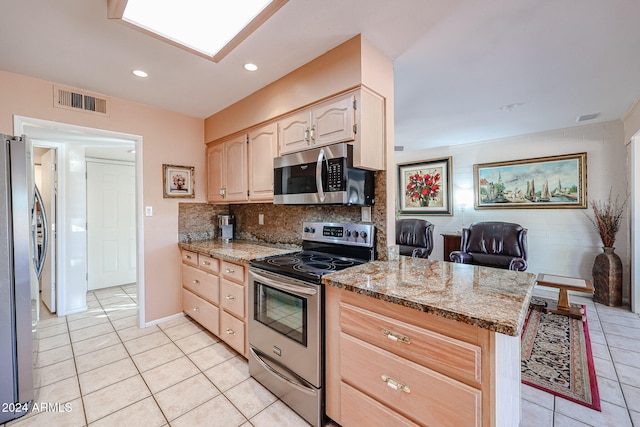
(39, 257)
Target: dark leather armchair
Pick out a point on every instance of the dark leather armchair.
(493, 244)
(414, 237)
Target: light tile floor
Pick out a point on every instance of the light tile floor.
(615, 342)
(99, 369)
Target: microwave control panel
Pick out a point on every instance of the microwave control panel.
(335, 170)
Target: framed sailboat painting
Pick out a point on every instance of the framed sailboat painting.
(543, 182)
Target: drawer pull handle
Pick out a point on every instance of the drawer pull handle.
(206, 263)
(187, 257)
(395, 384)
(230, 271)
(196, 309)
(230, 332)
(196, 282)
(230, 297)
(395, 337)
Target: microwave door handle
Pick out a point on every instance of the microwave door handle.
(321, 156)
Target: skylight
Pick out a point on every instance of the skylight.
(210, 28)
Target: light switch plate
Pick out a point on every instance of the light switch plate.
(366, 214)
(148, 211)
(260, 219)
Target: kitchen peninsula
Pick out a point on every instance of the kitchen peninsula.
(420, 342)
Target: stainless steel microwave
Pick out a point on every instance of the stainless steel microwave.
(322, 176)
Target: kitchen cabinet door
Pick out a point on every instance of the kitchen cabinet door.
(235, 153)
(332, 121)
(293, 132)
(215, 173)
(263, 148)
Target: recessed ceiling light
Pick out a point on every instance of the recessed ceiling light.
(250, 67)
(140, 73)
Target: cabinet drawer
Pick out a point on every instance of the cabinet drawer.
(189, 257)
(408, 388)
(201, 311)
(442, 353)
(232, 331)
(208, 263)
(361, 410)
(203, 284)
(233, 271)
(232, 297)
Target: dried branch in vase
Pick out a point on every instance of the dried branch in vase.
(607, 215)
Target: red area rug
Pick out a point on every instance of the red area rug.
(556, 357)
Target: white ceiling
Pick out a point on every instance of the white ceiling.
(456, 61)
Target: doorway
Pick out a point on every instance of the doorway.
(73, 145)
(46, 177)
(111, 223)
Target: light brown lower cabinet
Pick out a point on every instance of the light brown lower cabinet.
(214, 293)
(387, 364)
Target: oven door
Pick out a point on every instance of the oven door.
(285, 323)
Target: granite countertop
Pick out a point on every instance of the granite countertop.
(486, 297)
(236, 250)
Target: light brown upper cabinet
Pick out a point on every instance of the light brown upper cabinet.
(327, 123)
(355, 117)
(227, 171)
(263, 148)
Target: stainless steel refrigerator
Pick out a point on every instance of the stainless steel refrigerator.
(19, 257)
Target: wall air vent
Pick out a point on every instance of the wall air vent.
(74, 99)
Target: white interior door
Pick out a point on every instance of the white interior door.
(48, 188)
(111, 225)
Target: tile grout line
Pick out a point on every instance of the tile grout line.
(134, 364)
(222, 393)
(75, 367)
(615, 369)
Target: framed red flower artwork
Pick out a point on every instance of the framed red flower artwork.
(425, 187)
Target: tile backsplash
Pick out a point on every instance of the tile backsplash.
(282, 223)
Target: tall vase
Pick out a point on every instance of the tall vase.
(607, 278)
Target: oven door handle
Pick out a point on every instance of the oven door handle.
(296, 290)
(321, 157)
(295, 383)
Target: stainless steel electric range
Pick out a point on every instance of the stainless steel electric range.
(286, 312)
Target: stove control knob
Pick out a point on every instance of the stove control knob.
(356, 234)
(348, 233)
(312, 230)
(307, 229)
(363, 235)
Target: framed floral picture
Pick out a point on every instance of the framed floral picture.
(178, 181)
(425, 187)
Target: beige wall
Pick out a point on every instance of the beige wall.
(561, 241)
(167, 138)
(632, 122)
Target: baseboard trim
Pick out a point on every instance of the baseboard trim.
(164, 319)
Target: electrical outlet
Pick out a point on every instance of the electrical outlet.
(366, 214)
(260, 219)
(148, 211)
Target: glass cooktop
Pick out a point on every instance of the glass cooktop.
(309, 266)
